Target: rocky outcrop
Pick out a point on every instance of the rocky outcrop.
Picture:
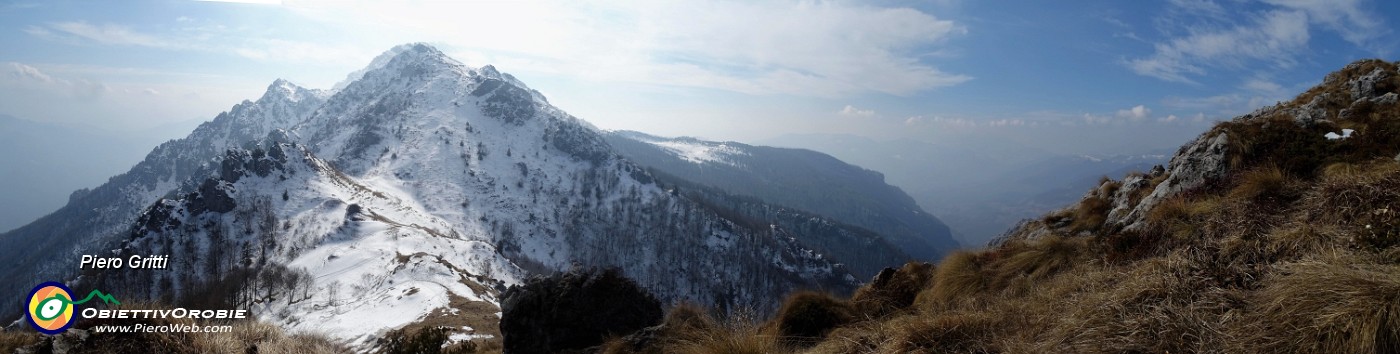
(1352, 96)
(1374, 83)
(1194, 165)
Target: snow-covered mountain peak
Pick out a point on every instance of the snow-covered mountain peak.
(281, 89)
(378, 62)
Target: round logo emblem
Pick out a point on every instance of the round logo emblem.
(51, 308)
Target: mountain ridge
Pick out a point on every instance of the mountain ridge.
(801, 179)
(423, 186)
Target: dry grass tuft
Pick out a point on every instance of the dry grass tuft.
(806, 317)
(1092, 212)
(893, 291)
(688, 318)
(739, 334)
(1157, 306)
(1340, 305)
(963, 332)
(1039, 259)
(1260, 183)
(962, 274)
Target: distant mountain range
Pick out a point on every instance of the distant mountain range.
(980, 188)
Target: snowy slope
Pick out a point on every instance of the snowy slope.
(374, 261)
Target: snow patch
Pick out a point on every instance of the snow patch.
(1346, 133)
(698, 152)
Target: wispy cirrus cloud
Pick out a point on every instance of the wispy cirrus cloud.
(1270, 37)
(190, 37)
(1352, 19)
(1210, 36)
(104, 34)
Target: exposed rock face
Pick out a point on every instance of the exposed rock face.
(1122, 199)
(1195, 164)
(1371, 85)
(574, 311)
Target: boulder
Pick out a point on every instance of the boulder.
(574, 311)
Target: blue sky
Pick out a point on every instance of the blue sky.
(1092, 76)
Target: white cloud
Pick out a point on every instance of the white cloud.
(1170, 118)
(1137, 113)
(1006, 123)
(918, 121)
(851, 111)
(814, 48)
(1272, 37)
(21, 71)
(1356, 24)
(33, 79)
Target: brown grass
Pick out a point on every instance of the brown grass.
(688, 318)
(961, 275)
(11, 341)
(1092, 212)
(1034, 261)
(1339, 305)
(1260, 184)
(960, 332)
(887, 295)
(807, 316)
(739, 334)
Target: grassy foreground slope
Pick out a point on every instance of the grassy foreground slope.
(1261, 236)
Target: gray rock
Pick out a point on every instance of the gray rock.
(1312, 112)
(1366, 86)
(1386, 99)
(1123, 197)
(1195, 164)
